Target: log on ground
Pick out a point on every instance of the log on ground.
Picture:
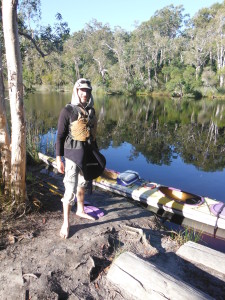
(143, 280)
(199, 254)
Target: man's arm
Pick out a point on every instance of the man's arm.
(60, 164)
(63, 128)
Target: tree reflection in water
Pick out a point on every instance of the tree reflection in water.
(160, 130)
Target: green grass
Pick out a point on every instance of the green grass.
(185, 235)
(30, 178)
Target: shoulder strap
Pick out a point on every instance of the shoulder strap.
(76, 109)
(72, 109)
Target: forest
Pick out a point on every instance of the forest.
(170, 53)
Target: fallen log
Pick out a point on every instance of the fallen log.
(143, 280)
(199, 254)
(47, 159)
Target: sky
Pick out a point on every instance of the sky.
(123, 13)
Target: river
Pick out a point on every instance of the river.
(178, 143)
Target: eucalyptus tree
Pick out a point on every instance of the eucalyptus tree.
(155, 40)
(166, 26)
(73, 56)
(39, 45)
(15, 84)
(209, 81)
(219, 39)
(199, 36)
(4, 133)
(206, 42)
(46, 42)
(176, 83)
(119, 49)
(141, 56)
(95, 51)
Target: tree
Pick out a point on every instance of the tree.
(176, 83)
(4, 134)
(209, 80)
(97, 36)
(153, 43)
(220, 43)
(119, 65)
(73, 56)
(198, 42)
(15, 85)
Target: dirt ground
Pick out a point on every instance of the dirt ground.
(36, 263)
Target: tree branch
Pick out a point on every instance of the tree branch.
(33, 41)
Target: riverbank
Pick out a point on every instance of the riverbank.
(145, 93)
(37, 264)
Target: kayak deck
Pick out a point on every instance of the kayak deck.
(175, 201)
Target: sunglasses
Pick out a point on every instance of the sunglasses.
(82, 81)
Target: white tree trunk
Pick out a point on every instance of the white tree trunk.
(4, 134)
(76, 63)
(15, 85)
(221, 65)
(221, 80)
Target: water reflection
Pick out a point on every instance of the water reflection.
(176, 143)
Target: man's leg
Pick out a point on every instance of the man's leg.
(70, 183)
(80, 204)
(64, 232)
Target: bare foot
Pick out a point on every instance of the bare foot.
(64, 232)
(84, 215)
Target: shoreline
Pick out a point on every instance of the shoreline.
(40, 264)
(154, 94)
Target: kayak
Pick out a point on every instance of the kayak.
(203, 213)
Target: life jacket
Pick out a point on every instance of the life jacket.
(83, 123)
(81, 140)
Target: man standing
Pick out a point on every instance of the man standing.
(76, 126)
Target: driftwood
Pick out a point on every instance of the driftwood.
(143, 280)
(199, 254)
(48, 160)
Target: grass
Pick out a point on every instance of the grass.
(31, 180)
(32, 141)
(185, 235)
(34, 144)
(118, 250)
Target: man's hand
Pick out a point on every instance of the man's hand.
(60, 164)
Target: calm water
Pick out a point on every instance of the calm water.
(172, 142)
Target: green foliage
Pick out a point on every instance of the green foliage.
(169, 51)
(209, 77)
(29, 10)
(168, 20)
(32, 141)
(176, 83)
(53, 39)
(185, 235)
(30, 178)
(182, 81)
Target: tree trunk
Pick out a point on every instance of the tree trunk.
(221, 80)
(76, 63)
(149, 77)
(197, 71)
(4, 135)
(221, 65)
(15, 85)
(220, 62)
